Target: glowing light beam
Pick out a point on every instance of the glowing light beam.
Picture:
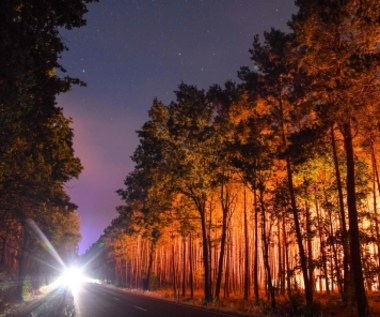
(46, 243)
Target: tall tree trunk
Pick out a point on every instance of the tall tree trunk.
(281, 275)
(301, 250)
(347, 289)
(184, 268)
(124, 275)
(255, 255)
(225, 202)
(174, 275)
(309, 246)
(322, 247)
(128, 274)
(206, 264)
(286, 251)
(334, 251)
(227, 271)
(376, 169)
(265, 239)
(356, 264)
(3, 250)
(374, 174)
(246, 251)
(146, 283)
(23, 260)
(137, 263)
(191, 278)
(210, 248)
(293, 203)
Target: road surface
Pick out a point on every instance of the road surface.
(94, 300)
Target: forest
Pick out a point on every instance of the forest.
(262, 189)
(38, 220)
(267, 187)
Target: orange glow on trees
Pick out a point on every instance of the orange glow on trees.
(271, 184)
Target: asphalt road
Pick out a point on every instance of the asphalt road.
(95, 300)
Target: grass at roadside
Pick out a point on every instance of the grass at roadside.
(326, 305)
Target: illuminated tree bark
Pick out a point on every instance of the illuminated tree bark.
(246, 249)
(255, 255)
(265, 238)
(286, 251)
(309, 245)
(355, 249)
(225, 199)
(191, 266)
(184, 272)
(375, 179)
(322, 247)
(346, 290)
(289, 171)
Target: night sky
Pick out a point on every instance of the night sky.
(132, 51)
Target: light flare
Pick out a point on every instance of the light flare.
(72, 278)
(46, 243)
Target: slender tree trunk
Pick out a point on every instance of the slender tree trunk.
(124, 273)
(137, 264)
(22, 262)
(146, 283)
(184, 268)
(376, 181)
(356, 264)
(335, 252)
(3, 250)
(191, 278)
(281, 275)
(376, 171)
(174, 271)
(332, 271)
(128, 274)
(286, 251)
(347, 290)
(206, 264)
(301, 250)
(293, 203)
(225, 202)
(210, 248)
(265, 239)
(376, 216)
(309, 246)
(322, 247)
(246, 251)
(255, 255)
(227, 271)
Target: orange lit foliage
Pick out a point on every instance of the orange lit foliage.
(179, 248)
(261, 164)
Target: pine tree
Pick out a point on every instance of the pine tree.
(338, 40)
(36, 153)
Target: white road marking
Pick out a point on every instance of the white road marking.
(138, 307)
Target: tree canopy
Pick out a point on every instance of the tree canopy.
(36, 140)
(279, 169)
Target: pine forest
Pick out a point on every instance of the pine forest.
(265, 188)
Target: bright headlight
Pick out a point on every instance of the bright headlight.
(72, 277)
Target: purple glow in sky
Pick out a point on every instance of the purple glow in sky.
(132, 51)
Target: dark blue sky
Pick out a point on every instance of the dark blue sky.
(132, 51)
